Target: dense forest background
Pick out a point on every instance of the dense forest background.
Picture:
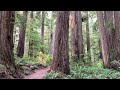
(74, 44)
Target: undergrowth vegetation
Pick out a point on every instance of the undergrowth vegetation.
(86, 72)
(44, 59)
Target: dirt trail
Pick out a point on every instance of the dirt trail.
(39, 74)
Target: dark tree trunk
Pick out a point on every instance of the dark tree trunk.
(42, 30)
(61, 48)
(21, 43)
(104, 40)
(88, 35)
(77, 38)
(87, 32)
(30, 52)
(7, 19)
(100, 54)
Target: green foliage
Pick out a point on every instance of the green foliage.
(113, 54)
(18, 18)
(54, 75)
(86, 72)
(44, 59)
(26, 60)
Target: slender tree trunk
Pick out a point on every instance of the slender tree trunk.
(52, 42)
(88, 35)
(52, 38)
(7, 19)
(61, 48)
(42, 30)
(30, 52)
(21, 43)
(104, 40)
(77, 38)
(100, 54)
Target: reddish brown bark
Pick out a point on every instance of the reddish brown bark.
(109, 25)
(7, 19)
(117, 33)
(61, 48)
(104, 40)
(77, 38)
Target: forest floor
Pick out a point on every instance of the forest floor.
(38, 74)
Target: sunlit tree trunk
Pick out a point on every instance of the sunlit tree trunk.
(30, 52)
(21, 43)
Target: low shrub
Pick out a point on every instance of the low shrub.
(86, 72)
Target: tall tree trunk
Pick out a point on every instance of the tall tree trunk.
(7, 19)
(61, 48)
(52, 39)
(88, 35)
(117, 33)
(30, 52)
(21, 43)
(77, 38)
(109, 25)
(42, 30)
(104, 40)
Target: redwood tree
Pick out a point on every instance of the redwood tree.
(117, 33)
(77, 38)
(61, 48)
(104, 40)
(20, 48)
(7, 19)
(109, 25)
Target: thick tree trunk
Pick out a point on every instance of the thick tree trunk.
(104, 40)
(42, 30)
(117, 33)
(7, 19)
(21, 43)
(109, 25)
(77, 38)
(61, 48)
(30, 52)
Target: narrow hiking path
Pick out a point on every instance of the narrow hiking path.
(39, 74)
